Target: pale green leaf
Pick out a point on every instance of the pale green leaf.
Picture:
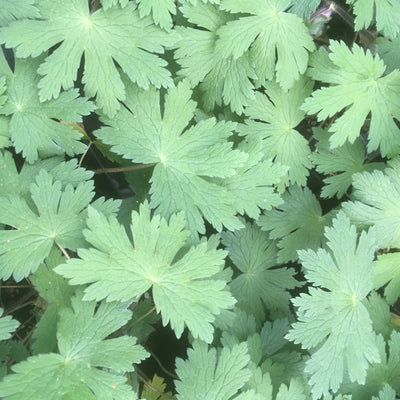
(304, 8)
(110, 3)
(54, 293)
(7, 325)
(253, 184)
(186, 290)
(104, 37)
(386, 13)
(35, 127)
(55, 215)
(208, 376)
(388, 51)
(360, 87)
(297, 224)
(260, 282)
(186, 159)
(14, 182)
(11, 10)
(278, 40)
(377, 197)
(387, 273)
(339, 164)
(86, 366)
(160, 11)
(332, 321)
(273, 118)
(223, 79)
(387, 393)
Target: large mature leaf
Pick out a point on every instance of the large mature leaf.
(278, 41)
(86, 366)
(53, 216)
(186, 160)
(104, 37)
(332, 321)
(186, 290)
(359, 86)
(36, 128)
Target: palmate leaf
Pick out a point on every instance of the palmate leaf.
(206, 376)
(298, 223)
(387, 372)
(160, 11)
(340, 164)
(35, 127)
(273, 117)
(53, 215)
(14, 182)
(186, 160)
(387, 273)
(260, 283)
(332, 321)
(268, 31)
(116, 34)
(223, 79)
(11, 10)
(86, 366)
(377, 197)
(358, 86)
(185, 291)
(386, 13)
(7, 325)
(54, 293)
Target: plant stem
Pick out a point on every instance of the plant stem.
(123, 169)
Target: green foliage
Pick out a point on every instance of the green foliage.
(7, 325)
(186, 291)
(333, 321)
(74, 371)
(47, 136)
(360, 87)
(254, 211)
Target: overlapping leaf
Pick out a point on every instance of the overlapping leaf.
(377, 197)
(297, 224)
(223, 79)
(86, 366)
(14, 182)
(359, 86)
(206, 376)
(332, 321)
(186, 291)
(55, 216)
(260, 284)
(7, 325)
(278, 40)
(274, 116)
(11, 10)
(104, 37)
(386, 13)
(35, 127)
(340, 164)
(186, 160)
